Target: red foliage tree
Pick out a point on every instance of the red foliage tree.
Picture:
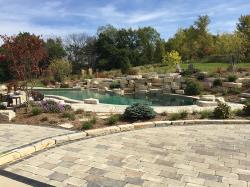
(24, 52)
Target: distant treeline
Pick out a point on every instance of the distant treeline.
(113, 48)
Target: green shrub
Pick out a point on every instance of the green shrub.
(64, 85)
(93, 120)
(134, 71)
(87, 113)
(87, 125)
(193, 88)
(232, 78)
(60, 69)
(139, 112)
(113, 119)
(234, 90)
(67, 107)
(246, 109)
(217, 82)
(177, 116)
(36, 111)
(200, 76)
(206, 114)
(222, 111)
(115, 84)
(79, 111)
(71, 116)
(2, 107)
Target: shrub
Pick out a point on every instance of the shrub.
(2, 107)
(87, 113)
(232, 78)
(93, 120)
(60, 69)
(177, 116)
(115, 84)
(87, 125)
(52, 106)
(246, 109)
(133, 71)
(37, 96)
(190, 70)
(206, 114)
(234, 90)
(217, 82)
(113, 119)
(64, 85)
(138, 112)
(36, 111)
(193, 88)
(200, 76)
(71, 116)
(67, 107)
(222, 111)
(79, 111)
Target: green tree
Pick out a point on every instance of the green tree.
(243, 28)
(60, 69)
(55, 48)
(171, 58)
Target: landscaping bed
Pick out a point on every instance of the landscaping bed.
(82, 120)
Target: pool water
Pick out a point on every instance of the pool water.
(108, 98)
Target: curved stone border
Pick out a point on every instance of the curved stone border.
(57, 140)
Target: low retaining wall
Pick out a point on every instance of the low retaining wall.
(22, 152)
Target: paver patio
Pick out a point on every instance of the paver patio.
(190, 156)
(13, 136)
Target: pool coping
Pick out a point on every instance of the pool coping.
(44, 144)
(112, 108)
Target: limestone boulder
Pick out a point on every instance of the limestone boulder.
(91, 101)
(181, 92)
(7, 115)
(207, 98)
(231, 85)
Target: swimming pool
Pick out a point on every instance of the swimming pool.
(109, 98)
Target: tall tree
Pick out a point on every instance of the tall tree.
(55, 48)
(243, 28)
(76, 49)
(24, 52)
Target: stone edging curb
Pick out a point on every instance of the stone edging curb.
(57, 140)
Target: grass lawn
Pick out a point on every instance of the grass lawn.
(208, 67)
(211, 67)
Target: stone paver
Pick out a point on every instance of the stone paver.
(187, 156)
(13, 136)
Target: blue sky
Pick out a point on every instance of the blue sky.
(62, 17)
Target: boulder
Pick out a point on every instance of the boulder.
(168, 79)
(118, 91)
(181, 92)
(155, 91)
(91, 101)
(220, 99)
(245, 95)
(141, 91)
(7, 115)
(243, 80)
(206, 103)
(131, 77)
(231, 85)
(207, 98)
